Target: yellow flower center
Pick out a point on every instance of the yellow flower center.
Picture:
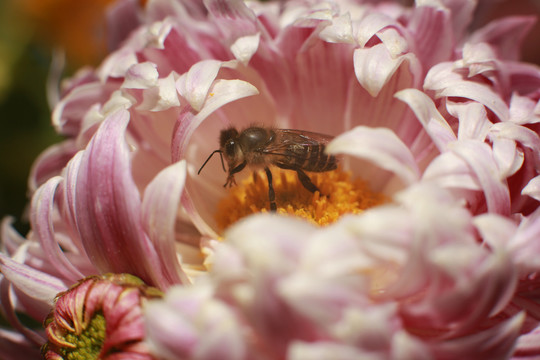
(338, 195)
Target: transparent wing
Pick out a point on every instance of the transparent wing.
(287, 138)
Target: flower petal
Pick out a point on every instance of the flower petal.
(433, 122)
(380, 146)
(221, 93)
(375, 66)
(107, 206)
(50, 163)
(159, 212)
(447, 83)
(244, 47)
(33, 283)
(41, 217)
(505, 35)
(479, 157)
(195, 84)
(532, 188)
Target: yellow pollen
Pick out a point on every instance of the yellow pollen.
(338, 195)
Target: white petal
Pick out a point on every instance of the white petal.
(433, 122)
(244, 47)
(381, 146)
(339, 31)
(195, 84)
(141, 76)
(375, 66)
(532, 189)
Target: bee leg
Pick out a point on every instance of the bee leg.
(306, 181)
(271, 193)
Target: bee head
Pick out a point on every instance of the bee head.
(228, 143)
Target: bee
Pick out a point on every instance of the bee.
(261, 147)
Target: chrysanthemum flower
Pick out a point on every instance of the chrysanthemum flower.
(99, 318)
(437, 139)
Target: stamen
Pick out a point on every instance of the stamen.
(338, 195)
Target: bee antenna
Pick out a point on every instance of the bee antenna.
(209, 157)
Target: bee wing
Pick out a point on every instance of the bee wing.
(290, 137)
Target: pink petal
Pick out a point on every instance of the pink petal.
(528, 346)
(50, 163)
(505, 35)
(35, 284)
(433, 122)
(523, 110)
(233, 18)
(41, 217)
(479, 157)
(447, 83)
(462, 12)
(495, 230)
(11, 239)
(525, 243)
(16, 347)
(495, 343)
(508, 156)
(69, 112)
(107, 206)
(473, 121)
(433, 34)
(159, 211)
(451, 171)
(380, 146)
(122, 18)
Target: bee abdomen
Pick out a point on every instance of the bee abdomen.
(312, 158)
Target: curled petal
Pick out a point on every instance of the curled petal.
(447, 83)
(50, 163)
(161, 97)
(195, 84)
(141, 76)
(245, 47)
(107, 205)
(532, 188)
(189, 323)
(494, 343)
(339, 31)
(479, 157)
(42, 223)
(382, 147)
(375, 66)
(528, 345)
(222, 92)
(433, 122)
(159, 212)
(30, 281)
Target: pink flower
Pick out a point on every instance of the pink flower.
(403, 281)
(439, 122)
(99, 318)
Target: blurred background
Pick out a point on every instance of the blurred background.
(32, 30)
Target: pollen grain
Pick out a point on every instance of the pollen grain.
(338, 196)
